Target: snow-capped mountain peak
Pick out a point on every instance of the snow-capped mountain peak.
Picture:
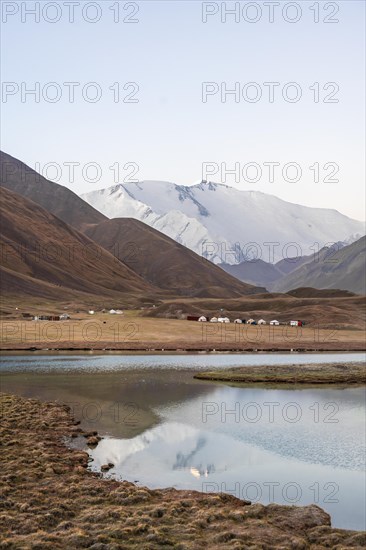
(225, 224)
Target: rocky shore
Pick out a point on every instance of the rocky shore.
(319, 374)
(50, 500)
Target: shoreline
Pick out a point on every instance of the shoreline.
(166, 350)
(53, 500)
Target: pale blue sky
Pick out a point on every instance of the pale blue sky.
(170, 132)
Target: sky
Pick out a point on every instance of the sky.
(140, 91)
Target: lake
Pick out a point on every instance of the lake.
(162, 428)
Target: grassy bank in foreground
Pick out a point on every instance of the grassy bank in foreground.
(321, 373)
(51, 501)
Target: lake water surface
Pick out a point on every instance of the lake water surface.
(162, 428)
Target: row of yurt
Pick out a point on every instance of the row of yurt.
(274, 322)
(203, 319)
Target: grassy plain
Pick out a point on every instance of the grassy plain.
(132, 331)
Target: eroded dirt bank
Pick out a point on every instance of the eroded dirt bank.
(50, 500)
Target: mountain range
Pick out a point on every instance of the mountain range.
(224, 224)
(338, 266)
(333, 267)
(125, 256)
(46, 252)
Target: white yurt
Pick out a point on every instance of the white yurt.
(250, 321)
(202, 319)
(213, 320)
(64, 316)
(238, 321)
(261, 322)
(112, 311)
(91, 312)
(274, 322)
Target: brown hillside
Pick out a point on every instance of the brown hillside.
(326, 312)
(37, 246)
(164, 262)
(306, 292)
(55, 198)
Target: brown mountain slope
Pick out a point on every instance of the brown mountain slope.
(39, 248)
(332, 268)
(164, 262)
(55, 198)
